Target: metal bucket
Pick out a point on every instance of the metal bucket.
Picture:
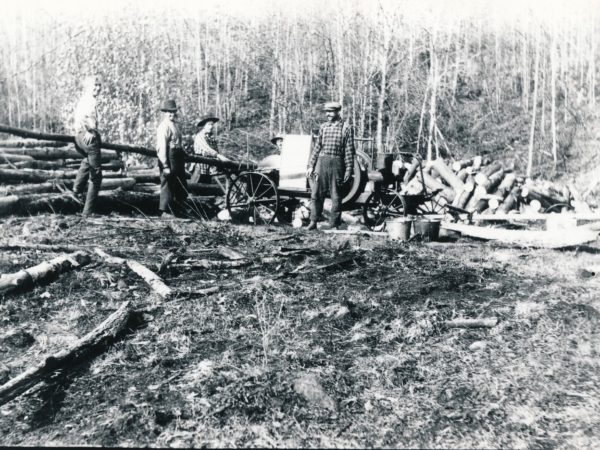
(399, 228)
(429, 229)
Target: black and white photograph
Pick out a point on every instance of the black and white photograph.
(300, 224)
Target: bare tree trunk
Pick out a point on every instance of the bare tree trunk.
(534, 108)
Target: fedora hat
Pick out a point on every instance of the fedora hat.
(168, 106)
(275, 138)
(207, 118)
(332, 106)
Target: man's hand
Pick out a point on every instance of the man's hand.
(309, 172)
(167, 171)
(88, 137)
(347, 176)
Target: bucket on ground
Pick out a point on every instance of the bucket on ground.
(429, 229)
(399, 228)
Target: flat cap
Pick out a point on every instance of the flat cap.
(332, 106)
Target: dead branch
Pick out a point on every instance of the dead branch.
(102, 335)
(43, 272)
(146, 274)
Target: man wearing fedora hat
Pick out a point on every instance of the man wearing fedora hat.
(87, 142)
(331, 165)
(171, 162)
(205, 144)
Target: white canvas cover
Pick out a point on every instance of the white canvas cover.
(294, 161)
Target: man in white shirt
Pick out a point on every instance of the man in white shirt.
(88, 142)
(171, 162)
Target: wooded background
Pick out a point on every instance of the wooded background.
(441, 78)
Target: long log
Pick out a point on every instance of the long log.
(412, 170)
(447, 175)
(231, 165)
(153, 280)
(34, 175)
(35, 164)
(527, 238)
(107, 202)
(18, 143)
(42, 273)
(13, 158)
(60, 186)
(104, 334)
(56, 153)
(16, 245)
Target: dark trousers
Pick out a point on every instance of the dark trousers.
(173, 187)
(90, 171)
(329, 178)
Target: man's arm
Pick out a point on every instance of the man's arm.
(349, 153)
(201, 147)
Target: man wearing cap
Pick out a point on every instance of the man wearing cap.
(205, 144)
(87, 142)
(330, 165)
(171, 162)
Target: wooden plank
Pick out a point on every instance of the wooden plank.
(527, 238)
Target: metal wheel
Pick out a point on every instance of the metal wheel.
(252, 198)
(435, 205)
(380, 206)
(557, 207)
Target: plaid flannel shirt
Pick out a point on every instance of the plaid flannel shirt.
(205, 144)
(335, 140)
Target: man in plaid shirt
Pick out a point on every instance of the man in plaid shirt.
(331, 165)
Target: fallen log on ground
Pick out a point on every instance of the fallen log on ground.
(61, 186)
(527, 238)
(212, 264)
(146, 274)
(35, 164)
(43, 272)
(489, 322)
(104, 334)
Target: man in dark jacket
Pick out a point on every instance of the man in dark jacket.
(330, 165)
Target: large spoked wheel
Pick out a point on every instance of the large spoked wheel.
(435, 205)
(381, 206)
(252, 198)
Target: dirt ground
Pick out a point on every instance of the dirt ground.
(314, 340)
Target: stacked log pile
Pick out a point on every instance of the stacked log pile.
(38, 176)
(480, 185)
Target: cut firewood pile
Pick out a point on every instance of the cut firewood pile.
(482, 186)
(38, 176)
